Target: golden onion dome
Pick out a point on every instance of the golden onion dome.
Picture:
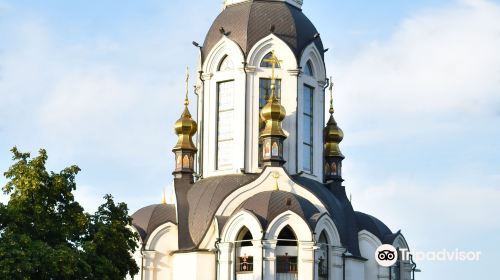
(185, 127)
(333, 135)
(273, 113)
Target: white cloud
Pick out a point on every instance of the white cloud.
(437, 62)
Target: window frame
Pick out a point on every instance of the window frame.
(310, 116)
(218, 167)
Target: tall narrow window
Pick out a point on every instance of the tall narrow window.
(287, 267)
(264, 94)
(225, 120)
(307, 128)
(244, 255)
(323, 257)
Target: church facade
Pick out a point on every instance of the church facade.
(259, 194)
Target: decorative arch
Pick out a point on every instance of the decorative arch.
(368, 244)
(326, 224)
(160, 233)
(225, 64)
(239, 220)
(268, 44)
(400, 242)
(311, 54)
(296, 223)
(225, 48)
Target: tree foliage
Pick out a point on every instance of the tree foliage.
(45, 233)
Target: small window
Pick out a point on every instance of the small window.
(225, 126)
(225, 64)
(244, 254)
(264, 63)
(307, 128)
(309, 70)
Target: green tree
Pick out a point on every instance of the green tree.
(45, 233)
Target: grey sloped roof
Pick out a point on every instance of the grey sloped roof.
(147, 219)
(268, 205)
(198, 203)
(340, 210)
(247, 23)
(376, 227)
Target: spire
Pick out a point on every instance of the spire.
(333, 135)
(273, 113)
(164, 199)
(185, 149)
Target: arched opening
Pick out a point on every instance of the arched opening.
(309, 70)
(323, 257)
(286, 255)
(225, 64)
(244, 255)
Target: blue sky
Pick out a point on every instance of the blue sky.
(100, 83)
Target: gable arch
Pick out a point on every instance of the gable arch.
(156, 241)
(238, 221)
(326, 224)
(296, 223)
(311, 53)
(400, 242)
(268, 44)
(225, 47)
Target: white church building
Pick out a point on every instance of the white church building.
(259, 194)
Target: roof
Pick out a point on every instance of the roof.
(200, 201)
(266, 206)
(339, 207)
(149, 218)
(249, 22)
(375, 227)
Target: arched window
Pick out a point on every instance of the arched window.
(264, 63)
(286, 255)
(309, 70)
(307, 128)
(244, 258)
(225, 64)
(323, 257)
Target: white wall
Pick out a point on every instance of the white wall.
(194, 266)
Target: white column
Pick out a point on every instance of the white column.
(149, 265)
(336, 262)
(306, 260)
(269, 259)
(226, 261)
(257, 260)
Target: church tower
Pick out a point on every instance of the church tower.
(260, 196)
(235, 85)
(185, 149)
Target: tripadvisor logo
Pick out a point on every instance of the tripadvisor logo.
(387, 255)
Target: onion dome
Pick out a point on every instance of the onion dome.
(185, 127)
(248, 22)
(333, 135)
(273, 113)
(185, 149)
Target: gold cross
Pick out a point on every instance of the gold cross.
(331, 95)
(276, 176)
(186, 101)
(274, 61)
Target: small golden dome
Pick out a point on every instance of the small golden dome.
(333, 135)
(273, 113)
(185, 127)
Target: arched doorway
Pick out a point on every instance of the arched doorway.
(323, 257)
(287, 255)
(244, 264)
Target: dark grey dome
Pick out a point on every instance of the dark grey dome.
(375, 227)
(149, 218)
(247, 23)
(268, 205)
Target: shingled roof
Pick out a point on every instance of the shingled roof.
(249, 22)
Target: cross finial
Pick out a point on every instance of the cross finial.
(273, 61)
(331, 95)
(186, 100)
(164, 200)
(276, 176)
